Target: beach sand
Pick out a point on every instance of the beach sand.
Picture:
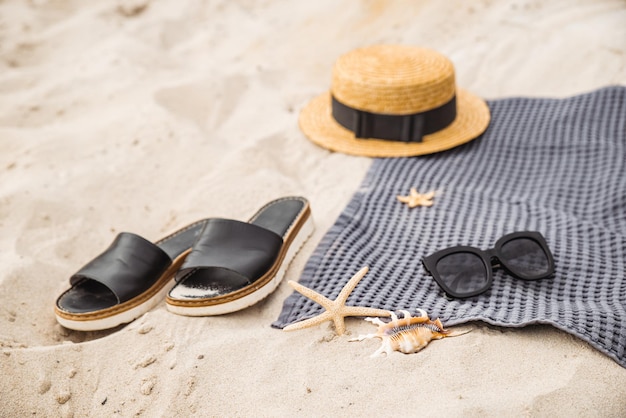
(145, 116)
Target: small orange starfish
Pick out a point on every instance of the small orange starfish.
(336, 310)
(415, 199)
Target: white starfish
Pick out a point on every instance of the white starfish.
(415, 199)
(336, 310)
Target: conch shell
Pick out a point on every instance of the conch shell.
(408, 334)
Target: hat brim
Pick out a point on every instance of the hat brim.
(318, 124)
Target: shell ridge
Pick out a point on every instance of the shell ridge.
(406, 335)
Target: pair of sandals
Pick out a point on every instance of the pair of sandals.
(211, 267)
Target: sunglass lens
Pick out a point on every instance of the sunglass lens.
(463, 273)
(526, 257)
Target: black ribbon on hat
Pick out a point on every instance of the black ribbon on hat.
(406, 128)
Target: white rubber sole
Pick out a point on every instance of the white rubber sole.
(120, 318)
(236, 305)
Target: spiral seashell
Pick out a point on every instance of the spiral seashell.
(407, 334)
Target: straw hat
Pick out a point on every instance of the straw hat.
(393, 101)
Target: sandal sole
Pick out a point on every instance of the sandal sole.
(125, 312)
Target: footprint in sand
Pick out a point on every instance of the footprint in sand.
(208, 104)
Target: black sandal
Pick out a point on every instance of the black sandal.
(127, 280)
(236, 264)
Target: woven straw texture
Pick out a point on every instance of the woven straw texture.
(557, 166)
(393, 79)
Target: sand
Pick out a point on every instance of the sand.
(144, 116)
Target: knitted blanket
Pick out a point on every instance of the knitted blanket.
(557, 166)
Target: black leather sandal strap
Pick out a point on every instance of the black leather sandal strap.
(128, 267)
(241, 247)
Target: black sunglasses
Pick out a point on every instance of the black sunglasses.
(464, 271)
